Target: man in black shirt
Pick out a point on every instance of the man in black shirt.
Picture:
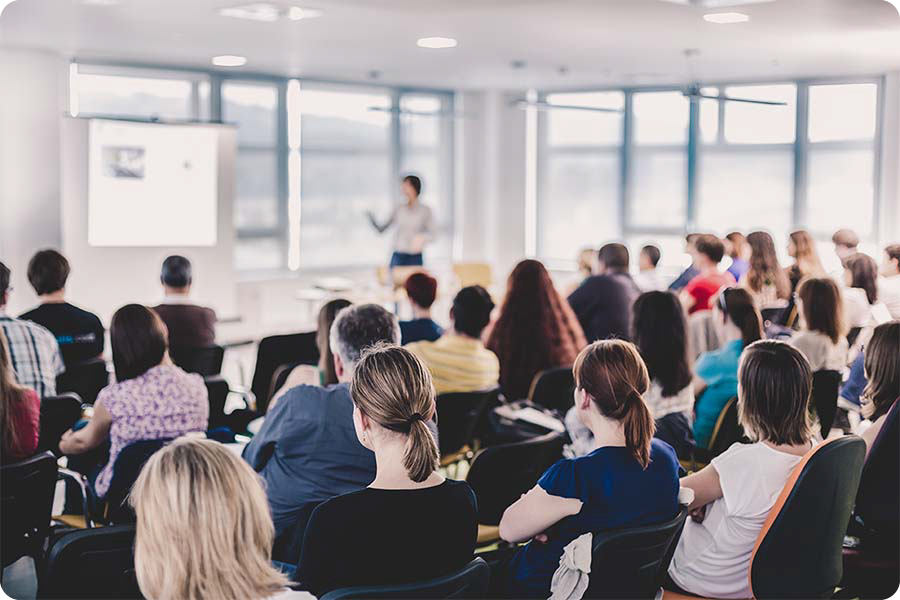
(603, 301)
(78, 332)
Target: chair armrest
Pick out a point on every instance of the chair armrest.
(81, 481)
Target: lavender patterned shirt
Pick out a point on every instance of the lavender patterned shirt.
(164, 402)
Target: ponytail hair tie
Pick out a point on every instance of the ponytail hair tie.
(414, 417)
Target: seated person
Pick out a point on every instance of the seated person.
(33, 350)
(201, 487)
(882, 365)
(889, 282)
(189, 325)
(152, 398)
(20, 412)
(851, 389)
(603, 301)
(734, 494)
(78, 332)
(649, 278)
(421, 289)
(737, 248)
(307, 450)
(630, 479)
(458, 361)
(691, 271)
(822, 337)
(376, 535)
(700, 290)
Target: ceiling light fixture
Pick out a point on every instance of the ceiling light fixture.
(296, 13)
(726, 18)
(229, 60)
(266, 12)
(100, 2)
(436, 42)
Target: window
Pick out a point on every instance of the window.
(854, 104)
(747, 123)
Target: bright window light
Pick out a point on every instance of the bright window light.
(436, 42)
(726, 17)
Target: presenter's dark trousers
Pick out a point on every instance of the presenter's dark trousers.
(402, 259)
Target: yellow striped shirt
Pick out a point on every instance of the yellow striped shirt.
(458, 364)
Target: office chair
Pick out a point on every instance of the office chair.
(469, 582)
(58, 415)
(553, 389)
(26, 500)
(277, 350)
(825, 387)
(128, 465)
(458, 416)
(85, 379)
(203, 360)
(217, 392)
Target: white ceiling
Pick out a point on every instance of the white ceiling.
(599, 42)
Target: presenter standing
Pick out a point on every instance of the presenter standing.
(413, 226)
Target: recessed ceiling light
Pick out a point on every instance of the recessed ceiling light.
(229, 60)
(295, 13)
(726, 17)
(436, 42)
(259, 11)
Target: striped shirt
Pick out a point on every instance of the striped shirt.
(458, 364)
(34, 355)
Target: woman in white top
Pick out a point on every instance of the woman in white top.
(734, 494)
(822, 337)
(413, 226)
(861, 291)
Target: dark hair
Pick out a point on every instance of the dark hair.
(614, 256)
(421, 288)
(323, 330)
(359, 326)
(773, 395)
(47, 272)
(864, 271)
(764, 268)
(711, 247)
(472, 308)
(176, 272)
(4, 280)
(882, 365)
(823, 309)
(415, 182)
(613, 373)
(893, 252)
(139, 340)
(738, 241)
(737, 305)
(552, 337)
(652, 253)
(846, 238)
(660, 333)
(691, 237)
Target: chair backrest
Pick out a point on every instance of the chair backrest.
(727, 430)
(277, 350)
(499, 475)
(458, 415)
(469, 582)
(825, 386)
(91, 563)
(58, 415)
(798, 551)
(630, 563)
(553, 389)
(85, 379)
(203, 360)
(26, 499)
(126, 469)
(877, 501)
(473, 273)
(217, 392)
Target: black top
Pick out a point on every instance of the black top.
(189, 325)
(78, 332)
(380, 537)
(418, 330)
(602, 304)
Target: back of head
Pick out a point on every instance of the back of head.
(737, 241)
(864, 272)
(823, 309)
(357, 327)
(806, 254)
(472, 308)
(4, 283)
(139, 340)
(764, 267)
(882, 364)
(738, 306)
(846, 238)
(614, 375)
(892, 251)
(176, 272)
(48, 271)
(203, 526)
(652, 253)
(710, 246)
(774, 387)
(415, 182)
(614, 257)
(660, 333)
(327, 314)
(421, 288)
(393, 388)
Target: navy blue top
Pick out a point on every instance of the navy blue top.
(616, 492)
(685, 278)
(418, 330)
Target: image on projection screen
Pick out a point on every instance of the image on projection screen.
(151, 184)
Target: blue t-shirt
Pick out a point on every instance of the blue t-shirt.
(738, 268)
(616, 493)
(719, 370)
(418, 330)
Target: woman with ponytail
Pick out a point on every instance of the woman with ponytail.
(630, 478)
(376, 535)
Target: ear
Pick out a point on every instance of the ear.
(583, 399)
(338, 366)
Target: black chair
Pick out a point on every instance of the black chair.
(631, 563)
(217, 391)
(91, 563)
(825, 387)
(458, 415)
(85, 379)
(26, 499)
(277, 350)
(58, 415)
(469, 582)
(727, 431)
(126, 469)
(203, 360)
(553, 389)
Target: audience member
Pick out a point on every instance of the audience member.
(765, 279)
(845, 243)
(603, 301)
(889, 282)
(690, 272)
(737, 248)
(734, 494)
(649, 279)
(421, 289)
(203, 527)
(585, 268)
(852, 388)
(33, 351)
(78, 332)
(802, 248)
(375, 535)
(307, 450)
(715, 380)
(458, 361)
(189, 325)
(708, 253)
(152, 398)
(861, 289)
(882, 363)
(629, 479)
(822, 337)
(552, 337)
(20, 411)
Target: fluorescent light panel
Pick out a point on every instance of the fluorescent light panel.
(436, 42)
(266, 12)
(717, 3)
(726, 18)
(229, 60)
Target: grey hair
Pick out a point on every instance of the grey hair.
(358, 327)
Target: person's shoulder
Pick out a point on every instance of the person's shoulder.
(739, 453)
(34, 313)
(421, 347)
(306, 398)
(37, 330)
(662, 454)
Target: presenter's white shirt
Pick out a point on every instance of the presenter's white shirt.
(409, 223)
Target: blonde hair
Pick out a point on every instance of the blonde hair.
(393, 388)
(203, 526)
